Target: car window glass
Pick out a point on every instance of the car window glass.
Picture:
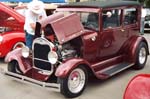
(7, 22)
(111, 18)
(130, 16)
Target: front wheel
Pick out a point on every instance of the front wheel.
(141, 56)
(74, 84)
(14, 67)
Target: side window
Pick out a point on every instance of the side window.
(111, 18)
(130, 16)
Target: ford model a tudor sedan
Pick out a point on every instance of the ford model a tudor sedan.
(79, 40)
(11, 30)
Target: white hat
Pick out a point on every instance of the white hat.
(36, 6)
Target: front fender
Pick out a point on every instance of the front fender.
(24, 63)
(65, 68)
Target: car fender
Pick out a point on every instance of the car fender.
(24, 63)
(65, 68)
(9, 40)
(138, 87)
(132, 50)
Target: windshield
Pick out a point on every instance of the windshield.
(89, 20)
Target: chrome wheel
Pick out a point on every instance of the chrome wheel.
(142, 55)
(76, 80)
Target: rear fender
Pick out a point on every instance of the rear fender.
(134, 45)
(64, 69)
(24, 63)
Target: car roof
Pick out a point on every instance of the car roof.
(101, 4)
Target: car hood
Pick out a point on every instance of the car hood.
(65, 27)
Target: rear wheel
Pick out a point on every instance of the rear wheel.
(14, 67)
(141, 56)
(74, 84)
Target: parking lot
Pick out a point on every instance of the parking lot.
(112, 88)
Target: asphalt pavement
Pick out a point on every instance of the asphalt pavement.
(112, 88)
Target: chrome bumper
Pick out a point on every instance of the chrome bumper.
(24, 79)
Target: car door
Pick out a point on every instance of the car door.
(130, 20)
(113, 34)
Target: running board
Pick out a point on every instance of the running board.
(110, 71)
(27, 80)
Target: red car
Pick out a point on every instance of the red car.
(81, 39)
(11, 30)
(138, 87)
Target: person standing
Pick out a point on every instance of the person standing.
(34, 13)
(143, 14)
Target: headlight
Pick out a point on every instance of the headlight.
(1, 38)
(25, 52)
(52, 57)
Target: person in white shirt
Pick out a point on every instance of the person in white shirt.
(143, 14)
(34, 14)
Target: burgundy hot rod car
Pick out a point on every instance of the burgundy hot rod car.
(81, 39)
(11, 29)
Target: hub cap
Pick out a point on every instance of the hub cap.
(142, 55)
(76, 80)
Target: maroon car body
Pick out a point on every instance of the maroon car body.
(77, 41)
(11, 29)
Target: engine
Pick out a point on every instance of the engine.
(67, 51)
(47, 53)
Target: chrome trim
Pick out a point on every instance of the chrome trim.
(41, 60)
(27, 80)
(42, 41)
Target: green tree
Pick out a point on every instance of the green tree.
(142, 1)
(147, 3)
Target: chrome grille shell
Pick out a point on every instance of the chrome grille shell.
(41, 47)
